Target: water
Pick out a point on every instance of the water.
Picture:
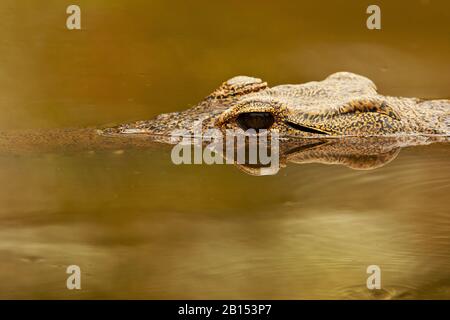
(142, 227)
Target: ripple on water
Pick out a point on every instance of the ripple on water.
(390, 293)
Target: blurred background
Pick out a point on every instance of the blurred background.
(135, 59)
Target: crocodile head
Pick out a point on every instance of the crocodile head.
(344, 104)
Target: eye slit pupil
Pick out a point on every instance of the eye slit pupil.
(255, 120)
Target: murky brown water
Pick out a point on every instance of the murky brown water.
(141, 227)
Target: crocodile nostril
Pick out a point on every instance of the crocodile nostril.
(255, 120)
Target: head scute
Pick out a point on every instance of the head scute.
(238, 86)
(352, 80)
(368, 105)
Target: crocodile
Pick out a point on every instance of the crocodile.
(341, 120)
(344, 104)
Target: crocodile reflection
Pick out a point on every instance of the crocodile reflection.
(357, 153)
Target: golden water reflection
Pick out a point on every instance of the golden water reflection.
(141, 227)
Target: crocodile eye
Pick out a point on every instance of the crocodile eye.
(255, 120)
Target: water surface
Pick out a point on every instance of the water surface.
(142, 227)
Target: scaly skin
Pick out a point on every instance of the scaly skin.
(344, 104)
(315, 114)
